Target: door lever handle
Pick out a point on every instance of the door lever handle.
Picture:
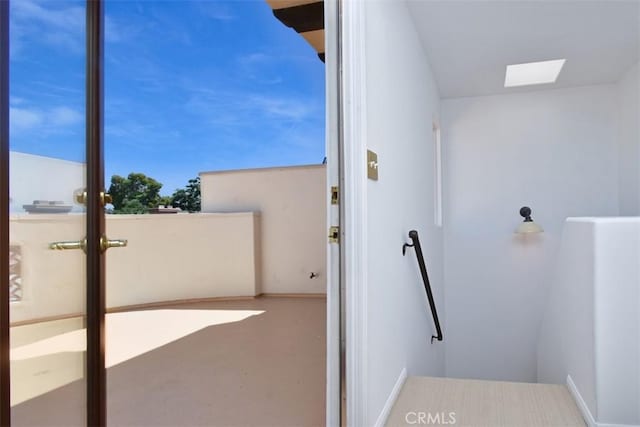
(80, 196)
(64, 246)
(106, 243)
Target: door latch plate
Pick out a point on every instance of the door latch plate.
(334, 234)
(335, 195)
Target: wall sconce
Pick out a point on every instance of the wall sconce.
(527, 226)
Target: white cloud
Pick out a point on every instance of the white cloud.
(112, 31)
(260, 67)
(116, 31)
(254, 58)
(215, 10)
(70, 18)
(294, 109)
(24, 119)
(241, 108)
(54, 23)
(14, 100)
(64, 116)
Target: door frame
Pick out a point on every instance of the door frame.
(347, 268)
(346, 308)
(5, 385)
(95, 371)
(353, 101)
(335, 390)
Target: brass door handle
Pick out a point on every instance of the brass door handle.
(80, 197)
(65, 246)
(106, 243)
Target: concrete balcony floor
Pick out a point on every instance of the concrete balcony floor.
(262, 369)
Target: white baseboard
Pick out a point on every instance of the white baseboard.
(584, 409)
(582, 405)
(386, 410)
(616, 425)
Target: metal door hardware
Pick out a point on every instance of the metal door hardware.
(372, 165)
(335, 195)
(105, 244)
(334, 234)
(80, 197)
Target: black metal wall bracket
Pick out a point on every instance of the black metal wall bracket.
(404, 248)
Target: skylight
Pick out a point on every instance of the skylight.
(533, 73)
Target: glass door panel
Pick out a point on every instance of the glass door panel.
(47, 223)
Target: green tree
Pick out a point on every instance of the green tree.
(131, 207)
(188, 198)
(134, 194)
(165, 200)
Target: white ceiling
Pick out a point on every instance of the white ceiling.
(470, 43)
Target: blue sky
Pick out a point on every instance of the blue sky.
(190, 86)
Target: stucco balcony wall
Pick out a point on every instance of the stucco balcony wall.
(168, 257)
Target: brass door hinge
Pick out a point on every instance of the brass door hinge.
(335, 195)
(334, 234)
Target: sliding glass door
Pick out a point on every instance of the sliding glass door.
(51, 184)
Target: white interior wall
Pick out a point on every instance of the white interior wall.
(552, 150)
(402, 101)
(617, 313)
(591, 326)
(628, 97)
(567, 336)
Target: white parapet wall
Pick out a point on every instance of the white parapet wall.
(168, 257)
(591, 328)
(292, 204)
